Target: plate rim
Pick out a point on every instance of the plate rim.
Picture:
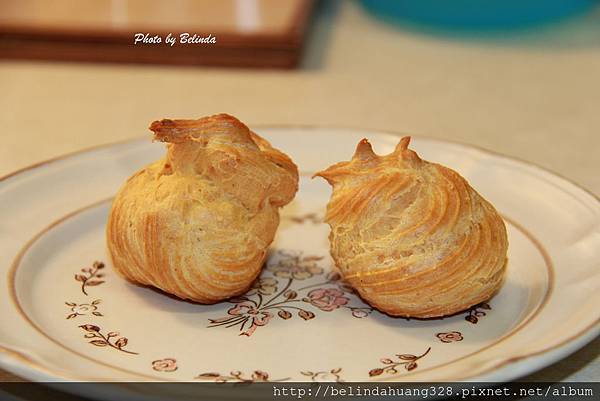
(13, 360)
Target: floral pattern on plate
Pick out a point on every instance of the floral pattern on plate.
(333, 375)
(83, 309)
(407, 361)
(111, 339)
(280, 293)
(165, 365)
(450, 337)
(476, 312)
(90, 276)
(239, 377)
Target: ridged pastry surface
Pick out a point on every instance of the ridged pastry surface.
(197, 223)
(412, 237)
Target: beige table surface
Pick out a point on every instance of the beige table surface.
(535, 96)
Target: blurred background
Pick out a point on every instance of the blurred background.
(520, 77)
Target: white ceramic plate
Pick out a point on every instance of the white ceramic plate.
(66, 315)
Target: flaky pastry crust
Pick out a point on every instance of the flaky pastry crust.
(412, 237)
(197, 223)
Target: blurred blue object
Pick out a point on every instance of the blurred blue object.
(476, 14)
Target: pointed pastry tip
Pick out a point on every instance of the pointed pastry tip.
(334, 173)
(364, 150)
(323, 174)
(402, 151)
(403, 144)
(337, 172)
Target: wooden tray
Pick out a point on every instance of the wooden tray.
(248, 33)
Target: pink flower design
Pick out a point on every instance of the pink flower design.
(251, 314)
(450, 337)
(165, 365)
(327, 299)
